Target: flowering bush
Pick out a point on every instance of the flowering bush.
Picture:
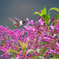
(38, 40)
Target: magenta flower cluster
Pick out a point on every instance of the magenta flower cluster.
(39, 39)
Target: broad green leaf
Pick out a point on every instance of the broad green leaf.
(24, 49)
(30, 50)
(37, 13)
(54, 8)
(56, 19)
(13, 51)
(44, 12)
(21, 44)
(45, 17)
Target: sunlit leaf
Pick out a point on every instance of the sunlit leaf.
(56, 56)
(44, 12)
(26, 44)
(57, 17)
(24, 49)
(46, 18)
(34, 57)
(13, 51)
(37, 13)
(30, 50)
(3, 44)
(14, 55)
(54, 8)
(49, 18)
(21, 44)
(49, 14)
(55, 34)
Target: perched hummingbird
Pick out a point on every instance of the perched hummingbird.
(17, 22)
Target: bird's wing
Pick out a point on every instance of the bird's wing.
(14, 21)
(17, 18)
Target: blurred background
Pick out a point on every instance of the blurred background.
(23, 9)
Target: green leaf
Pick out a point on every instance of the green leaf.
(21, 44)
(13, 51)
(43, 52)
(45, 17)
(44, 12)
(55, 34)
(3, 44)
(54, 8)
(56, 19)
(56, 56)
(14, 55)
(37, 13)
(49, 18)
(38, 50)
(35, 57)
(30, 50)
(24, 49)
(26, 44)
(49, 14)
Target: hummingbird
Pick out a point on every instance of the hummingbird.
(17, 22)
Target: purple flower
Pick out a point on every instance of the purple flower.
(40, 11)
(4, 56)
(57, 44)
(53, 19)
(41, 21)
(34, 37)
